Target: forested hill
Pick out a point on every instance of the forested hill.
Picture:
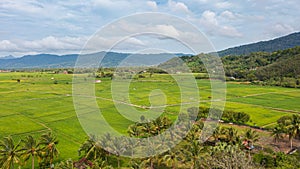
(281, 43)
(281, 67)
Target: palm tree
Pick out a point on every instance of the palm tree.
(49, 150)
(150, 149)
(172, 157)
(195, 151)
(133, 130)
(148, 128)
(232, 135)
(30, 149)
(217, 133)
(118, 146)
(92, 148)
(9, 153)
(251, 135)
(277, 133)
(293, 129)
(193, 148)
(66, 165)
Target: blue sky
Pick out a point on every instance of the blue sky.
(61, 27)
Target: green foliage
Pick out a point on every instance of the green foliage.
(265, 160)
(279, 67)
(281, 43)
(216, 114)
(12, 154)
(9, 153)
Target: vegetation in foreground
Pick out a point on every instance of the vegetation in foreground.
(226, 148)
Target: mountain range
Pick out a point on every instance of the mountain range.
(106, 59)
(281, 43)
(111, 59)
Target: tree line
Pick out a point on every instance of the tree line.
(281, 68)
(227, 147)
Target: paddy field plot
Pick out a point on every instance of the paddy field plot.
(43, 102)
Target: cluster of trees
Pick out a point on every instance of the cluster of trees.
(270, 68)
(287, 126)
(225, 148)
(149, 128)
(281, 43)
(216, 114)
(14, 154)
(279, 68)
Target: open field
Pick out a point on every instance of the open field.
(37, 104)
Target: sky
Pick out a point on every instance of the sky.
(65, 26)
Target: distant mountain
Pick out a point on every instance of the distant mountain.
(110, 59)
(281, 43)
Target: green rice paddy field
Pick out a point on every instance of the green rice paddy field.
(37, 105)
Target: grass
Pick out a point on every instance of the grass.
(37, 104)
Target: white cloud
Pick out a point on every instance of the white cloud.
(6, 45)
(152, 5)
(210, 22)
(280, 29)
(178, 6)
(167, 30)
(48, 44)
(50, 21)
(209, 18)
(228, 15)
(30, 6)
(223, 5)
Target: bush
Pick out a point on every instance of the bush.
(141, 76)
(265, 160)
(236, 117)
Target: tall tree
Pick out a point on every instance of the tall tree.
(172, 158)
(48, 143)
(91, 148)
(293, 129)
(232, 135)
(30, 149)
(251, 135)
(9, 153)
(277, 133)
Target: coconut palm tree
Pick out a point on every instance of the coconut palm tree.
(293, 129)
(251, 135)
(195, 151)
(92, 148)
(118, 147)
(217, 133)
(172, 158)
(277, 133)
(232, 135)
(65, 165)
(49, 150)
(133, 130)
(148, 128)
(193, 148)
(9, 153)
(30, 149)
(150, 149)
